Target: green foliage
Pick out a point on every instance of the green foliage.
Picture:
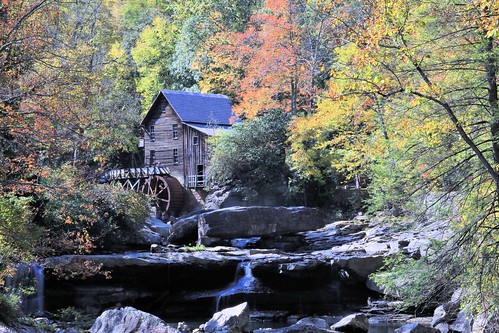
(251, 155)
(83, 215)
(75, 316)
(421, 283)
(9, 308)
(20, 239)
(194, 248)
(153, 53)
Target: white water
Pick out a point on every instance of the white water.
(29, 278)
(243, 282)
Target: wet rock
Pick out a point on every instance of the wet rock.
(183, 327)
(305, 325)
(128, 320)
(158, 226)
(358, 268)
(137, 279)
(291, 272)
(184, 231)
(416, 328)
(354, 323)
(230, 320)
(315, 322)
(243, 222)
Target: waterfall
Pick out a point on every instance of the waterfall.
(28, 282)
(243, 282)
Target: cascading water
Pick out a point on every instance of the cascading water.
(29, 282)
(244, 282)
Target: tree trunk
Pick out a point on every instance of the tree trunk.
(490, 66)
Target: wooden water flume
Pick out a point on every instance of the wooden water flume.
(166, 191)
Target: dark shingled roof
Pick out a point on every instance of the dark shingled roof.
(198, 108)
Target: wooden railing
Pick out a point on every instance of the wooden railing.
(135, 173)
(194, 181)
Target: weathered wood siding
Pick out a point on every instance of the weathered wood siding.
(163, 141)
(194, 155)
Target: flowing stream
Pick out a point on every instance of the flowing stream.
(243, 282)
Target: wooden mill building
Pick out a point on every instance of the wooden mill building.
(175, 131)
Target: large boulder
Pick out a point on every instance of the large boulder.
(244, 222)
(184, 231)
(129, 320)
(230, 320)
(445, 313)
(354, 323)
(463, 323)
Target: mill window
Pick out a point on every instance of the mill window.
(175, 131)
(175, 156)
(152, 157)
(151, 133)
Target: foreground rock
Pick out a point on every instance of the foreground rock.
(354, 323)
(308, 325)
(129, 320)
(230, 320)
(243, 222)
(416, 328)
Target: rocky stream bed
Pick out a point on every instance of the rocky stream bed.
(278, 264)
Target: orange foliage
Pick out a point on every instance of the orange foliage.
(274, 63)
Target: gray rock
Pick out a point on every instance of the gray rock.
(445, 313)
(230, 320)
(184, 231)
(485, 324)
(308, 325)
(314, 321)
(354, 323)
(416, 328)
(220, 198)
(158, 226)
(242, 222)
(463, 323)
(443, 327)
(183, 327)
(129, 320)
(361, 266)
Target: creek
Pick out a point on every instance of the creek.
(322, 272)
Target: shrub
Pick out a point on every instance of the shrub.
(82, 215)
(9, 308)
(252, 155)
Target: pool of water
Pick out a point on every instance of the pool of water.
(384, 327)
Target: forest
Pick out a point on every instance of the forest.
(399, 97)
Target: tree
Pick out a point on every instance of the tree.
(153, 53)
(279, 61)
(252, 168)
(433, 67)
(52, 118)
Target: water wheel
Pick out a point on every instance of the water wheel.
(167, 194)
